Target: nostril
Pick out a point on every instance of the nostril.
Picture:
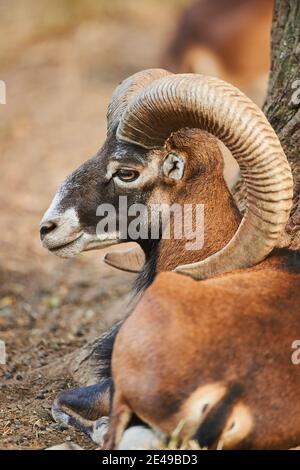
(46, 228)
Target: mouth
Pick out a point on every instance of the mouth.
(67, 249)
(81, 243)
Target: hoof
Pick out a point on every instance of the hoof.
(84, 408)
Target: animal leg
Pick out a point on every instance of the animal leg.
(121, 415)
(85, 408)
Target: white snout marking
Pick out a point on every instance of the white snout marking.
(68, 239)
(67, 230)
(52, 212)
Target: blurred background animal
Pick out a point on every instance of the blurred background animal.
(229, 39)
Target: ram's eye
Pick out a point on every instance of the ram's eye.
(127, 175)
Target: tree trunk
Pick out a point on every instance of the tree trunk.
(282, 105)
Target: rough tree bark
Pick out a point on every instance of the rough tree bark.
(282, 108)
(282, 105)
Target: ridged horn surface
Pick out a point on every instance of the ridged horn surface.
(130, 260)
(196, 101)
(127, 89)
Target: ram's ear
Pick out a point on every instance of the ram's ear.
(131, 260)
(173, 166)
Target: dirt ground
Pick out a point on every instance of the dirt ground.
(58, 87)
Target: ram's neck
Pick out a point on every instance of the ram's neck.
(221, 221)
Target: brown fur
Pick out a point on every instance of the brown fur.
(204, 184)
(224, 342)
(236, 330)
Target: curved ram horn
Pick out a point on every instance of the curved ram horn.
(127, 89)
(131, 260)
(197, 101)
